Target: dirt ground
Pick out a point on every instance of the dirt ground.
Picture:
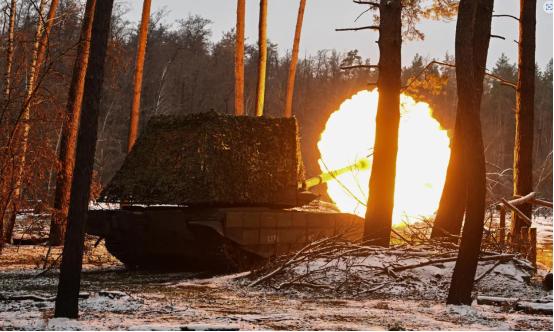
(118, 299)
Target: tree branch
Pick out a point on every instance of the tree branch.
(498, 36)
(506, 15)
(434, 62)
(371, 3)
(359, 66)
(369, 27)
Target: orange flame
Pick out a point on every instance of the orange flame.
(423, 154)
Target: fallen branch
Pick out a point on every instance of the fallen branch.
(450, 259)
(484, 274)
(359, 66)
(523, 199)
(517, 211)
(541, 202)
(290, 261)
(38, 298)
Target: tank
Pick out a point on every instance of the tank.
(185, 203)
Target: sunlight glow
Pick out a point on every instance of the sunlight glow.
(423, 154)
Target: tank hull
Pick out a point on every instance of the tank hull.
(194, 239)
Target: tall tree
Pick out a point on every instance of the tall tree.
(450, 215)
(378, 218)
(5, 183)
(25, 123)
(294, 59)
(525, 109)
(10, 51)
(68, 138)
(72, 258)
(239, 59)
(139, 68)
(262, 58)
(45, 37)
(472, 42)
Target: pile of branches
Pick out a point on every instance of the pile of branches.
(333, 266)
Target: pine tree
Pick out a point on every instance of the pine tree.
(239, 59)
(472, 43)
(139, 69)
(525, 109)
(68, 139)
(294, 59)
(378, 218)
(262, 59)
(72, 257)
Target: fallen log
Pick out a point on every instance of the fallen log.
(497, 301)
(523, 199)
(541, 202)
(534, 307)
(517, 211)
(38, 298)
(529, 307)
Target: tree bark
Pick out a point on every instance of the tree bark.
(25, 128)
(5, 185)
(239, 59)
(525, 109)
(450, 214)
(43, 47)
(70, 269)
(262, 60)
(139, 69)
(68, 139)
(472, 43)
(378, 218)
(10, 52)
(294, 59)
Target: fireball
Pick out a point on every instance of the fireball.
(423, 154)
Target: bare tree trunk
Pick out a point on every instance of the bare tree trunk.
(10, 52)
(68, 140)
(239, 59)
(378, 218)
(70, 269)
(26, 126)
(525, 109)
(45, 37)
(294, 59)
(262, 60)
(139, 69)
(472, 43)
(5, 184)
(450, 215)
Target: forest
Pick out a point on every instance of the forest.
(99, 111)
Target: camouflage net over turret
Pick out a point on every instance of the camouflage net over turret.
(211, 159)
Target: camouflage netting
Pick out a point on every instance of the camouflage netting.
(211, 159)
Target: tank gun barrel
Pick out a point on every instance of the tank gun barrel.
(327, 176)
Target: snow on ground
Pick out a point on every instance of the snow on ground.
(119, 299)
(133, 300)
(414, 272)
